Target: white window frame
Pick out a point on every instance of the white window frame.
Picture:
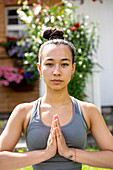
(14, 27)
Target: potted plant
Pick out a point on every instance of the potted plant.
(18, 79)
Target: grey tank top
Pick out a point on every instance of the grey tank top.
(75, 133)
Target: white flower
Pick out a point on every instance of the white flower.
(46, 19)
(80, 75)
(86, 17)
(80, 62)
(33, 26)
(78, 36)
(37, 9)
(79, 50)
(38, 40)
(52, 19)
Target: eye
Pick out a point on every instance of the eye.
(49, 64)
(64, 64)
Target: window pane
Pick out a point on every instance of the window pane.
(12, 12)
(13, 21)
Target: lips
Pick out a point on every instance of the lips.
(56, 81)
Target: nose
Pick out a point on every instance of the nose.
(57, 71)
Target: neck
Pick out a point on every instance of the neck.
(56, 96)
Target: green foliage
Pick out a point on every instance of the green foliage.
(78, 30)
(1, 123)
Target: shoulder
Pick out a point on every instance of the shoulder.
(22, 110)
(89, 111)
(89, 107)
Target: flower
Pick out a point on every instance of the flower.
(12, 47)
(19, 70)
(28, 75)
(9, 76)
(75, 27)
(72, 28)
(47, 7)
(37, 9)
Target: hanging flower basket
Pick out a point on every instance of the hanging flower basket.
(17, 62)
(23, 87)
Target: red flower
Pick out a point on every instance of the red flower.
(93, 0)
(19, 70)
(77, 25)
(73, 28)
(10, 38)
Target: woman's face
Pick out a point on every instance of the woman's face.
(56, 66)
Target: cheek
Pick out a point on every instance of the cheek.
(68, 75)
(45, 72)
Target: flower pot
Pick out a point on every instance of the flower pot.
(22, 87)
(17, 62)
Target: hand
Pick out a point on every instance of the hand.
(61, 143)
(52, 143)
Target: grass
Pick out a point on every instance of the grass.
(84, 167)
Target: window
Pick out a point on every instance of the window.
(13, 25)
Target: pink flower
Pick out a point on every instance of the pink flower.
(18, 79)
(1, 72)
(4, 83)
(9, 75)
(37, 9)
(46, 7)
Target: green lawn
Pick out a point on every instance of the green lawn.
(84, 167)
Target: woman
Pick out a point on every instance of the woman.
(56, 125)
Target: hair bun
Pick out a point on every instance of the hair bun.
(53, 33)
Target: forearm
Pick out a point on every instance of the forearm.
(102, 159)
(13, 160)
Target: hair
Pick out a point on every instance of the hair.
(56, 36)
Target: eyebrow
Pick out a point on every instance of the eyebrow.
(64, 59)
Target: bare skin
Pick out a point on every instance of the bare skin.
(55, 111)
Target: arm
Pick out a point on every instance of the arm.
(11, 135)
(102, 136)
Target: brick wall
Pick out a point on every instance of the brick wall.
(2, 28)
(10, 98)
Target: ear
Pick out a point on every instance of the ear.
(73, 68)
(39, 67)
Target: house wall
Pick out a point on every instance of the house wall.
(2, 28)
(103, 13)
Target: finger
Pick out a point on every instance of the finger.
(58, 125)
(58, 133)
(55, 117)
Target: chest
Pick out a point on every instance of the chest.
(64, 112)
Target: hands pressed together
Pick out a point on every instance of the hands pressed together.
(56, 141)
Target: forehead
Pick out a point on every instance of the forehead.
(56, 52)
